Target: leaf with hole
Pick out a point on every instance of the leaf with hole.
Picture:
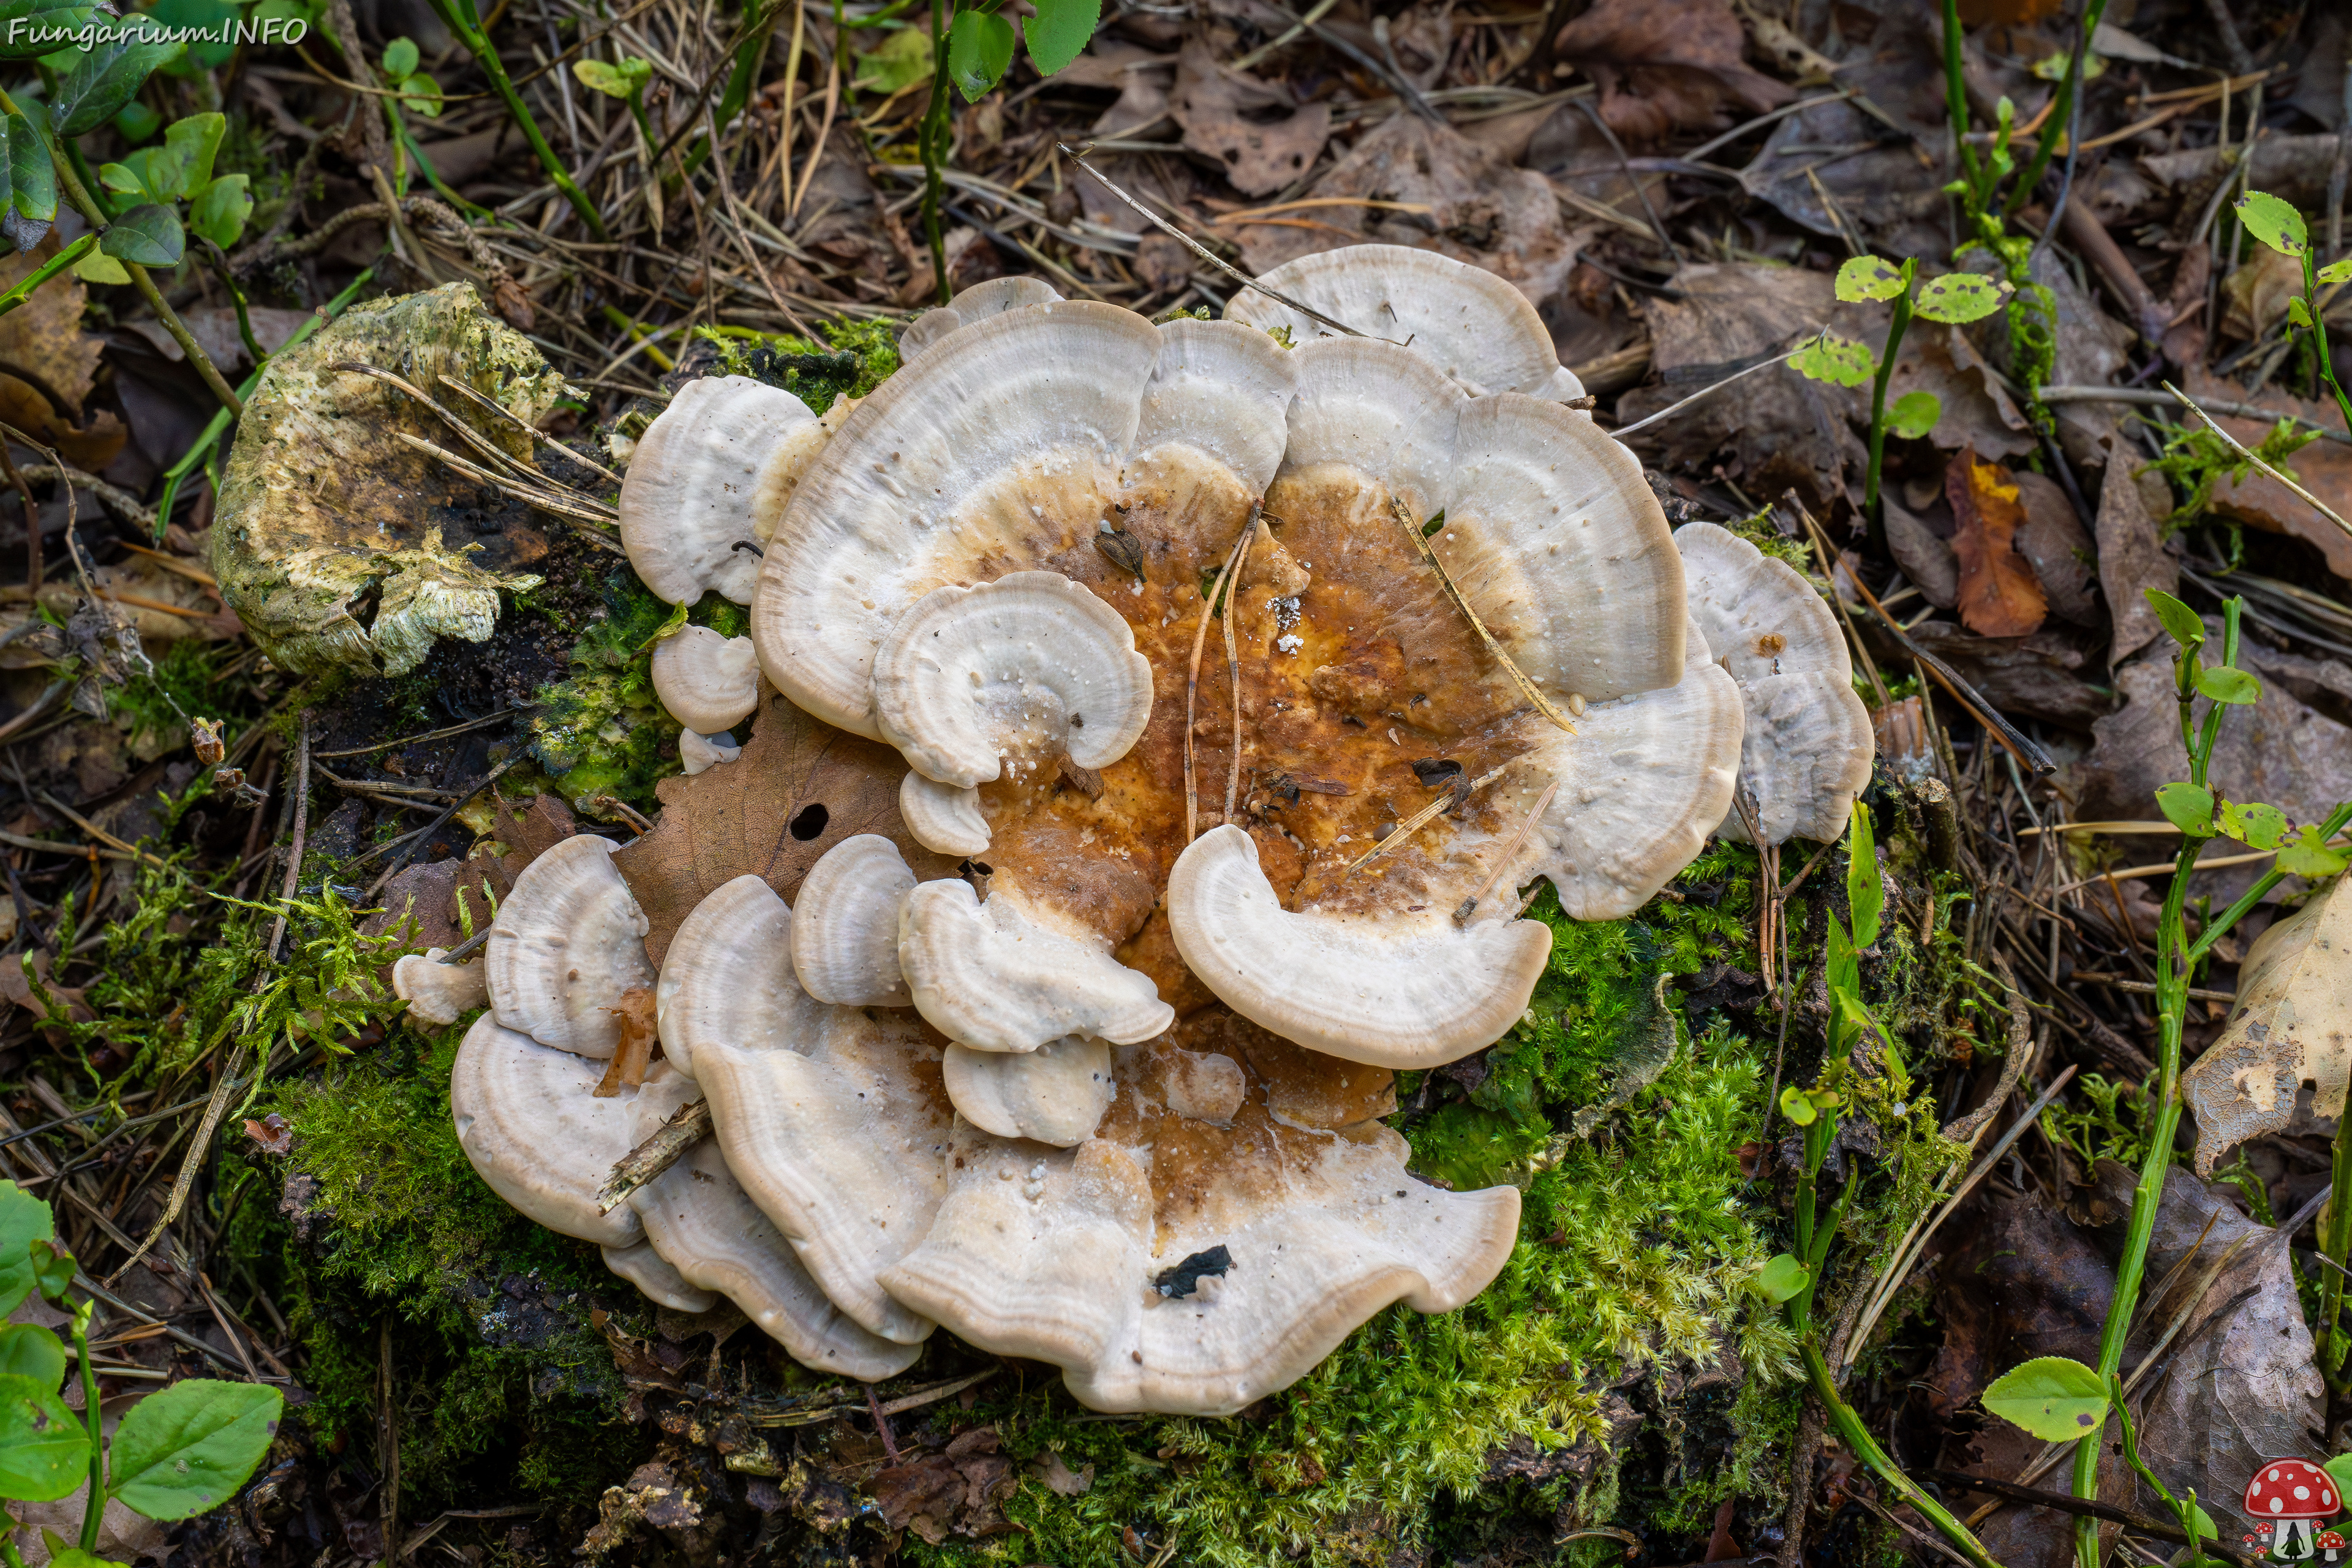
(1837, 361)
(28, 185)
(27, 1349)
(2187, 807)
(2225, 683)
(2252, 824)
(2056, 1399)
(980, 47)
(1783, 1277)
(1914, 414)
(2308, 856)
(1870, 278)
(1959, 298)
(2179, 619)
(191, 1446)
(44, 1450)
(1059, 32)
(102, 79)
(147, 235)
(2273, 222)
(23, 1220)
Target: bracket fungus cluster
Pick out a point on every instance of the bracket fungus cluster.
(1257, 676)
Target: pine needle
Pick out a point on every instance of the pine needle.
(1518, 676)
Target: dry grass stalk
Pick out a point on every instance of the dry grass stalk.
(1429, 557)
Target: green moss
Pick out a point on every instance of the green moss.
(602, 731)
(185, 682)
(855, 358)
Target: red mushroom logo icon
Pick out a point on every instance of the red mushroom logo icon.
(2331, 1545)
(2292, 1496)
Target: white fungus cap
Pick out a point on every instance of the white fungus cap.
(700, 753)
(707, 682)
(942, 817)
(1056, 1094)
(439, 993)
(685, 501)
(844, 933)
(568, 940)
(1011, 974)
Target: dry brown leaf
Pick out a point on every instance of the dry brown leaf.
(89, 448)
(1448, 196)
(42, 338)
(2131, 559)
(2323, 468)
(800, 788)
(2290, 1026)
(1140, 77)
(2000, 595)
(1667, 65)
(2255, 296)
(2053, 541)
(1264, 139)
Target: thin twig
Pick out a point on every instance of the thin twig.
(1412, 531)
(2240, 448)
(1192, 674)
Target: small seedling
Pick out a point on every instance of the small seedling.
(2277, 224)
(1956, 299)
(419, 93)
(157, 179)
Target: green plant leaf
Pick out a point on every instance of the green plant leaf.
(75, 1557)
(185, 163)
(2056, 1399)
(96, 267)
(191, 1446)
(27, 1349)
(2187, 807)
(421, 95)
(42, 21)
(2296, 312)
(1913, 414)
(1866, 894)
(2340, 1466)
(44, 1451)
(621, 80)
(1840, 968)
(148, 236)
(2224, 684)
(1869, 278)
(400, 58)
(1058, 33)
(2336, 272)
(2273, 222)
(28, 185)
(2179, 619)
(1798, 1106)
(2307, 855)
(1959, 298)
(53, 1269)
(23, 1220)
(980, 47)
(134, 121)
(2252, 824)
(103, 81)
(900, 61)
(1783, 1277)
(125, 179)
(1835, 360)
(220, 209)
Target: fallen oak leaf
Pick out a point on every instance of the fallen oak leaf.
(1240, 122)
(2291, 1023)
(800, 788)
(2000, 595)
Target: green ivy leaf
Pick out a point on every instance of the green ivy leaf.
(980, 47)
(1798, 1106)
(2252, 824)
(1059, 32)
(2056, 1399)
(147, 235)
(104, 79)
(185, 163)
(1913, 414)
(45, 24)
(23, 1220)
(1869, 278)
(1959, 298)
(900, 61)
(2308, 856)
(2187, 807)
(52, 1270)
(191, 1446)
(28, 185)
(219, 211)
(1866, 894)
(400, 58)
(27, 1349)
(1783, 1277)
(44, 1450)
(2273, 222)
(1835, 360)
(2179, 619)
(2224, 684)
(2336, 272)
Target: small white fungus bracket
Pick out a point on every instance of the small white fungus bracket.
(707, 682)
(568, 940)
